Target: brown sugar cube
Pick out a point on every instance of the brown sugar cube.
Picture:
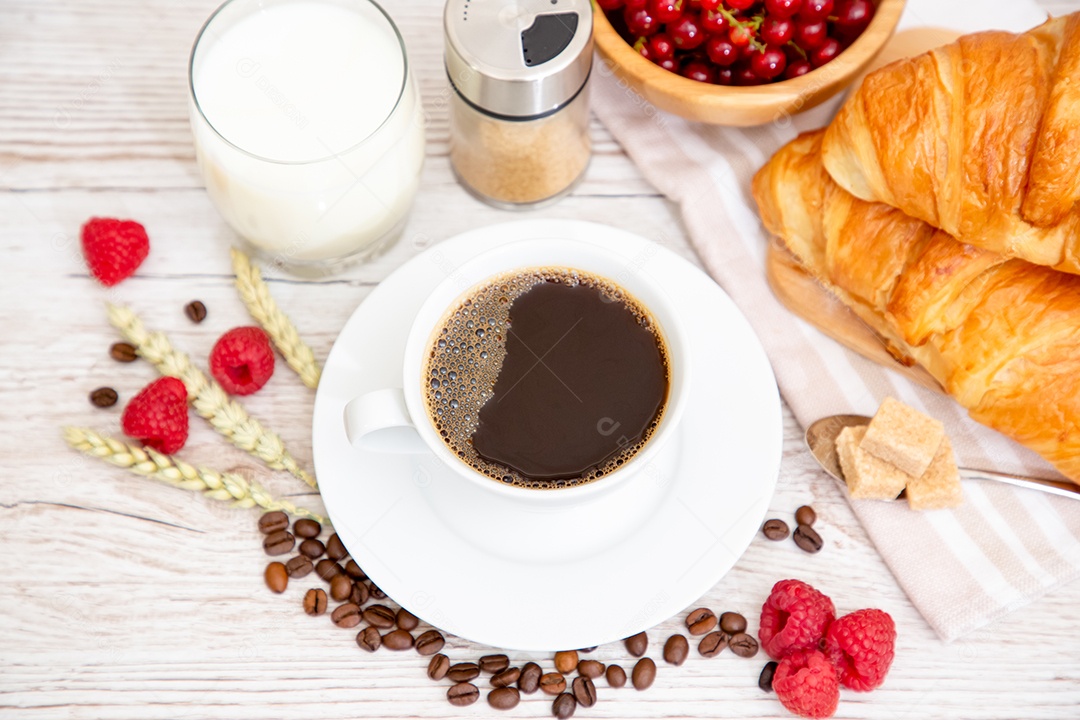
(867, 477)
(939, 487)
(903, 436)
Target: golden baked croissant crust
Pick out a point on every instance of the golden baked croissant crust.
(1001, 335)
(980, 138)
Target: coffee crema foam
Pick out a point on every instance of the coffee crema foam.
(466, 354)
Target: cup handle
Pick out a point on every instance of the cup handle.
(379, 422)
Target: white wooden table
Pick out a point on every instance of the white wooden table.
(122, 598)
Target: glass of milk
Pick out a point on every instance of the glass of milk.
(308, 128)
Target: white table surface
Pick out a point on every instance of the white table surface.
(123, 598)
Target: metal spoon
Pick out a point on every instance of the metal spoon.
(821, 439)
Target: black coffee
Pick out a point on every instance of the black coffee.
(547, 378)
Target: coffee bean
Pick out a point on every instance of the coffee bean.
(315, 601)
(504, 698)
(586, 650)
(335, 550)
(306, 528)
(398, 640)
(359, 593)
(636, 645)
(272, 522)
(643, 674)
(775, 529)
(805, 515)
(616, 676)
(406, 620)
(529, 681)
(506, 678)
(279, 543)
(552, 683)
(764, 681)
(369, 639)
(352, 569)
(438, 666)
(195, 311)
(564, 706)
(430, 642)
(327, 569)
(462, 694)
(676, 649)
(590, 668)
(713, 644)
(376, 593)
(743, 645)
(299, 566)
(566, 661)
(494, 663)
(312, 548)
(123, 352)
(346, 616)
(104, 397)
(277, 577)
(463, 671)
(584, 691)
(807, 539)
(732, 622)
(380, 616)
(700, 621)
(340, 588)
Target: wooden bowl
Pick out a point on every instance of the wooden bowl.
(743, 106)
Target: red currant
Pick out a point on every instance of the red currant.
(740, 36)
(609, 5)
(852, 17)
(798, 68)
(827, 52)
(635, 4)
(783, 8)
(709, 5)
(669, 64)
(768, 63)
(639, 21)
(686, 33)
(777, 31)
(744, 75)
(666, 10)
(724, 76)
(643, 49)
(814, 10)
(721, 51)
(810, 35)
(699, 70)
(740, 4)
(714, 23)
(661, 46)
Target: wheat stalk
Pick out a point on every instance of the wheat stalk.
(227, 486)
(208, 398)
(264, 309)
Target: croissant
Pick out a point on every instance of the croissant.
(1001, 335)
(980, 138)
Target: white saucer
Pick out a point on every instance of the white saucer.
(547, 580)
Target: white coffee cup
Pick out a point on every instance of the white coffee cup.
(396, 419)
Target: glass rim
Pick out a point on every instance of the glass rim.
(202, 114)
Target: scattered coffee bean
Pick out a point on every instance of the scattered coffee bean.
(504, 698)
(351, 568)
(406, 620)
(676, 649)
(196, 311)
(700, 621)
(775, 529)
(732, 622)
(552, 683)
(359, 594)
(713, 644)
(590, 668)
(340, 588)
(807, 539)
(123, 352)
(463, 671)
(299, 566)
(327, 569)
(272, 522)
(564, 706)
(529, 681)
(277, 577)
(438, 666)
(376, 592)
(346, 616)
(104, 397)
(492, 664)
(743, 645)
(312, 548)
(506, 678)
(616, 676)
(462, 694)
(584, 691)
(369, 639)
(335, 550)
(380, 616)
(430, 642)
(636, 645)
(643, 674)
(279, 543)
(805, 515)
(566, 661)
(765, 680)
(306, 528)
(398, 640)
(587, 650)
(315, 601)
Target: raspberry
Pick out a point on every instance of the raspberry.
(242, 360)
(157, 417)
(861, 645)
(806, 684)
(114, 249)
(794, 617)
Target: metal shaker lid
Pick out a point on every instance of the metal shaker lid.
(518, 58)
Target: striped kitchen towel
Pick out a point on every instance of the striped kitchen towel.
(961, 568)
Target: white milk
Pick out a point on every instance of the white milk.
(310, 137)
